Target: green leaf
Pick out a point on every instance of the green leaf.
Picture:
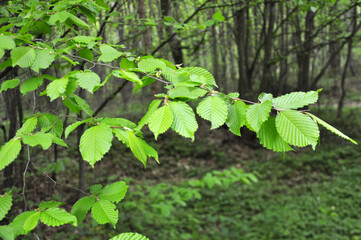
(119, 122)
(213, 109)
(104, 211)
(201, 72)
(31, 221)
(44, 58)
(152, 108)
(265, 96)
(130, 76)
(18, 223)
(8, 152)
(83, 39)
(150, 151)
(49, 204)
(28, 126)
(125, 63)
(9, 84)
(270, 138)
(86, 53)
(295, 100)
(64, 16)
(6, 42)
(121, 135)
(218, 17)
(82, 104)
(56, 216)
(31, 84)
(184, 122)
(38, 139)
(236, 117)
(56, 88)
(108, 53)
(161, 120)
(129, 236)
(151, 64)
(258, 113)
(297, 129)
(58, 141)
(72, 127)
(7, 232)
(137, 147)
(95, 189)
(50, 122)
(82, 207)
(95, 142)
(186, 92)
(6, 201)
(114, 192)
(88, 80)
(23, 56)
(331, 128)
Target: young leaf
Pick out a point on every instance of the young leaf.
(38, 138)
(186, 92)
(7, 42)
(8, 152)
(161, 120)
(56, 216)
(152, 107)
(129, 236)
(121, 135)
(258, 113)
(18, 223)
(331, 128)
(56, 88)
(213, 109)
(119, 122)
(114, 192)
(236, 117)
(88, 80)
(104, 211)
(50, 122)
(7, 232)
(95, 142)
(82, 104)
(108, 53)
(295, 100)
(184, 119)
(31, 221)
(95, 189)
(72, 127)
(137, 147)
(151, 64)
(31, 84)
(201, 72)
(6, 202)
(270, 138)
(9, 84)
(58, 141)
(297, 129)
(49, 204)
(130, 76)
(28, 126)
(82, 207)
(44, 58)
(23, 56)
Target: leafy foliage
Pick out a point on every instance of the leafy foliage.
(8, 152)
(161, 120)
(129, 236)
(214, 109)
(258, 113)
(5, 204)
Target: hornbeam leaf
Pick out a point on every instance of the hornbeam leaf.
(6, 202)
(129, 236)
(7, 232)
(50, 122)
(104, 211)
(44, 58)
(331, 128)
(137, 147)
(184, 119)
(28, 126)
(23, 56)
(236, 117)
(130, 76)
(87, 80)
(31, 221)
(108, 53)
(82, 207)
(6, 42)
(95, 142)
(18, 223)
(213, 109)
(31, 84)
(49, 204)
(8, 152)
(161, 120)
(114, 192)
(297, 129)
(270, 138)
(56, 216)
(56, 88)
(201, 72)
(151, 64)
(39, 138)
(122, 135)
(258, 113)
(152, 107)
(72, 127)
(9, 84)
(295, 100)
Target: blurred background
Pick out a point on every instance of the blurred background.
(207, 189)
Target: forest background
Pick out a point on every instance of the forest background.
(220, 186)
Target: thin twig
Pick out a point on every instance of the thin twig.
(24, 179)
